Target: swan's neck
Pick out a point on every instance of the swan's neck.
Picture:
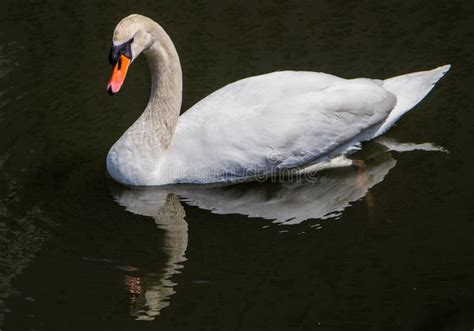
(135, 156)
(161, 114)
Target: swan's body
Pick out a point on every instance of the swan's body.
(254, 127)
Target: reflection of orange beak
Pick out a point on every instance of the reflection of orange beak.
(118, 74)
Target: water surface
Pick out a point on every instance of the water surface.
(388, 248)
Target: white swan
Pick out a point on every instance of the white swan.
(253, 127)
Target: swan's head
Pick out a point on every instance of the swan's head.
(131, 37)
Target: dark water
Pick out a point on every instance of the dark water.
(388, 248)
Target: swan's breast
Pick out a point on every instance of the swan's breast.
(134, 158)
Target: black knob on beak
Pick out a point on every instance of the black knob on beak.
(116, 50)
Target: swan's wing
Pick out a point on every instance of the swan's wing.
(275, 121)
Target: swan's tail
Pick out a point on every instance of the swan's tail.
(410, 89)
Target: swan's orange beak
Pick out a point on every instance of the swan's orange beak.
(118, 74)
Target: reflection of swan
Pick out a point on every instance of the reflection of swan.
(254, 127)
(151, 293)
(293, 201)
(290, 201)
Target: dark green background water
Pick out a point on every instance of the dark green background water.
(71, 258)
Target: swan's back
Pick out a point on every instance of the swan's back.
(271, 122)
